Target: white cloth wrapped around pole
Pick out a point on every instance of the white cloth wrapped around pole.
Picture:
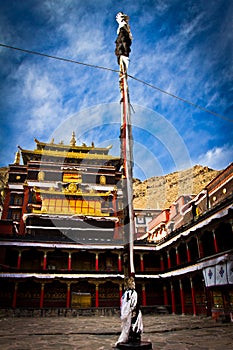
(131, 316)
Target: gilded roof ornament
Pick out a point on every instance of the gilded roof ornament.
(41, 176)
(73, 140)
(72, 188)
(103, 180)
(17, 158)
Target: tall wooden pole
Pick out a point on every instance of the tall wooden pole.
(130, 337)
(127, 158)
(122, 51)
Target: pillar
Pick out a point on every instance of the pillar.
(161, 263)
(68, 296)
(188, 252)
(143, 295)
(216, 249)
(42, 296)
(193, 297)
(97, 295)
(173, 299)
(114, 205)
(141, 263)
(15, 295)
(168, 260)
(45, 261)
(97, 261)
(165, 297)
(200, 248)
(19, 260)
(6, 204)
(119, 263)
(116, 230)
(69, 261)
(231, 223)
(177, 257)
(24, 209)
(182, 298)
(120, 291)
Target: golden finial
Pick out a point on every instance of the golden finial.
(73, 140)
(17, 158)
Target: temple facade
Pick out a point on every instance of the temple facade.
(62, 237)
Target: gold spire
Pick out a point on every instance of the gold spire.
(73, 140)
(17, 158)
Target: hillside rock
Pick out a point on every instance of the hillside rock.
(160, 192)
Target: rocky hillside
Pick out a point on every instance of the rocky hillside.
(160, 191)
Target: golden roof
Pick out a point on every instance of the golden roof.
(64, 154)
(72, 146)
(70, 151)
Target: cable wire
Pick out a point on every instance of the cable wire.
(57, 58)
(117, 71)
(181, 99)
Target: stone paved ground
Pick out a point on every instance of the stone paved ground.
(168, 332)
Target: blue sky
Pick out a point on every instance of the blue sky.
(183, 47)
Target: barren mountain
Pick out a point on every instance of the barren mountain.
(160, 192)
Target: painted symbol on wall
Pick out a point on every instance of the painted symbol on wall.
(221, 272)
(210, 274)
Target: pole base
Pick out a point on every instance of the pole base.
(144, 345)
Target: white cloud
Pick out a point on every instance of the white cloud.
(218, 157)
(39, 86)
(173, 52)
(41, 97)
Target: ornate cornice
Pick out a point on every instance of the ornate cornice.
(69, 154)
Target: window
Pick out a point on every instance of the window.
(16, 215)
(141, 229)
(72, 177)
(18, 200)
(140, 220)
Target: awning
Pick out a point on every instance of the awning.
(44, 276)
(218, 271)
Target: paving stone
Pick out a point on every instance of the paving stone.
(167, 332)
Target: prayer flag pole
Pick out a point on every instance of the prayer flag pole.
(122, 51)
(131, 315)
